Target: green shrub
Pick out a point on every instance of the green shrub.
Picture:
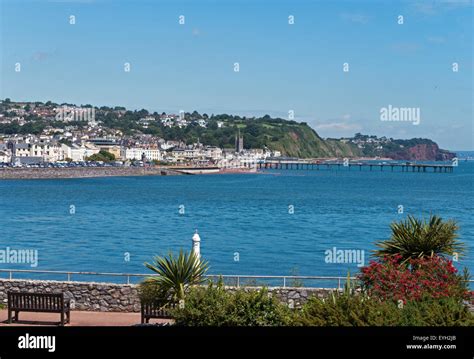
(436, 312)
(347, 310)
(214, 306)
(102, 155)
(256, 308)
(203, 307)
(360, 310)
(151, 293)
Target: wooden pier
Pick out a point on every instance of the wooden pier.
(317, 165)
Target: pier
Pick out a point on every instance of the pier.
(370, 166)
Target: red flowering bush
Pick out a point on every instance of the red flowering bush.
(434, 277)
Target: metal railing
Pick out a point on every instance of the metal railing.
(283, 279)
(237, 279)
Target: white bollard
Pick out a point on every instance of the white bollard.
(197, 245)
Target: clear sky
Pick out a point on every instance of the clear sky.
(283, 67)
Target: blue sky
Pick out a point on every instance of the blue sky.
(282, 67)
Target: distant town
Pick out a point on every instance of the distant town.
(79, 137)
(35, 134)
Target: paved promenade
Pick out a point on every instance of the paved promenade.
(78, 318)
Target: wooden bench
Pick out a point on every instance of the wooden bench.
(156, 311)
(38, 302)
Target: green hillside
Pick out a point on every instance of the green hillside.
(291, 138)
(338, 148)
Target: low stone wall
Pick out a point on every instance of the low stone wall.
(294, 297)
(105, 297)
(110, 297)
(81, 172)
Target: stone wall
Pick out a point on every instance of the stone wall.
(83, 295)
(81, 172)
(109, 297)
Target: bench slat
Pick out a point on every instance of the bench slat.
(156, 310)
(36, 301)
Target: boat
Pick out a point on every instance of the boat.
(196, 170)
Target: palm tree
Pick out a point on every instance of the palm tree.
(417, 238)
(175, 275)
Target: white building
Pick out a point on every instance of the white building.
(4, 157)
(182, 123)
(191, 153)
(213, 152)
(202, 123)
(79, 153)
(137, 153)
(145, 121)
(22, 149)
(168, 145)
(49, 151)
(168, 122)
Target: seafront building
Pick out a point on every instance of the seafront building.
(37, 151)
(79, 153)
(70, 142)
(27, 150)
(136, 153)
(63, 139)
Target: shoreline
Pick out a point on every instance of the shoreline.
(12, 173)
(102, 172)
(89, 172)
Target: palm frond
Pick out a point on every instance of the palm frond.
(417, 238)
(176, 274)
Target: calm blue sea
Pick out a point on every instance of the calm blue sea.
(244, 220)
